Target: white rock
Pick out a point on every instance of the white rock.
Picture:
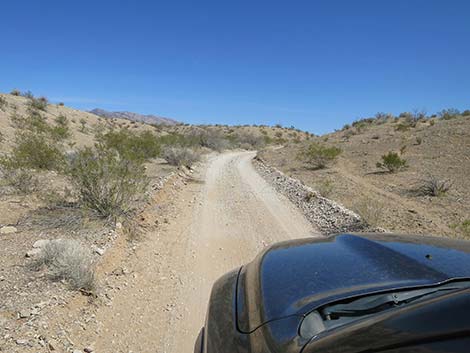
(33, 252)
(8, 230)
(100, 251)
(41, 243)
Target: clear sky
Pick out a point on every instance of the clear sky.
(312, 64)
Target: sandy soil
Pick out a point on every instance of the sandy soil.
(221, 219)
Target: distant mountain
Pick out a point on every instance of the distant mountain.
(149, 119)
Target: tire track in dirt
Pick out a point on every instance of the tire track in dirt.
(222, 218)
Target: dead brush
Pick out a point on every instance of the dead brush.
(370, 210)
(433, 186)
(70, 261)
(22, 180)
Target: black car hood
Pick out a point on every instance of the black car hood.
(295, 277)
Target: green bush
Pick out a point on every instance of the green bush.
(15, 92)
(318, 156)
(33, 150)
(61, 130)
(131, 145)
(392, 162)
(107, 183)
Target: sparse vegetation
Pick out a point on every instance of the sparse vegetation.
(39, 103)
(448, 114)
(392, 162)
(83, 123)
(180, 156)
(318, 156)
(325, 187)
(15, 92)
(70, 261)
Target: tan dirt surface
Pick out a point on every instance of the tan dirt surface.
(221, 219)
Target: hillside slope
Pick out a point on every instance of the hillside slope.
(434, 147)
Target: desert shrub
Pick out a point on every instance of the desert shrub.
(107, 183)
(39, 103)
(392, 162)
(432, 122)
(20, 179)
(419, 140)
(346, 127)
(83, 123)
(34, 151)
(466, 112)
(61, 130)
(70, 261)
(15, 92)
(3, 103)
(180, 156)
(60, 104)
(249, 140)
(369, 210)
(433, 186)
(278, 134)
(318, 156)
(208, 138)
(448, 114)
(131, 145)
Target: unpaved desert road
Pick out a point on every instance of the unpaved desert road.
(222, 219)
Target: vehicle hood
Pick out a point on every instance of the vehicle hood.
(296, 277)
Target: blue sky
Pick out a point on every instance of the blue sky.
(312, 64)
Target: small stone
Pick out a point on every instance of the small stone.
(88, 350)
(77, 351)
(24, 314)
(33, 252)
(8, 230)
(22, 342)
(100, 251)
(118, 225)
(40, 243)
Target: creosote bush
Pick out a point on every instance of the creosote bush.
(392, 162)
(318, 156)
(132, 145)
(70, 261)
(107, 183)
(180, 156)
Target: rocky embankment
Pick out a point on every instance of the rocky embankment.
(326, 215)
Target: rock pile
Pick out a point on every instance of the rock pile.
(326, 215)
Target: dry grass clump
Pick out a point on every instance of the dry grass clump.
(22, 180)
(180, 156)
(370, 211)
(433, 186)
(70, 261)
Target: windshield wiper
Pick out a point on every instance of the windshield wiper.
(376, 303)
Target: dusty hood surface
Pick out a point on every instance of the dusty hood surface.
(295, 277)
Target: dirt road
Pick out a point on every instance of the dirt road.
(221, 219)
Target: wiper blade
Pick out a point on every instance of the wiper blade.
(372, 304)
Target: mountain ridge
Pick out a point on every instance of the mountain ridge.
(145, 118)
